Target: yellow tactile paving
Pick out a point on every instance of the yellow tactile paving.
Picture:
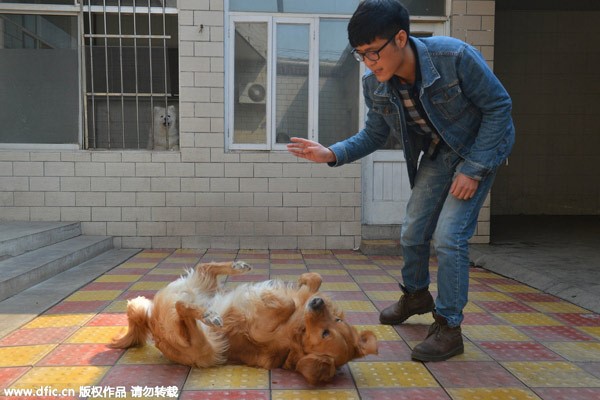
(391, 374)
(147, 354)
(191, 261)
(556, 307)
(149, 285)
(330, 272)
(119, 306)
(489, 296)
(551, 374)
(349, 256)
(482, 274)
(59, 321)
(96, 334)
(286, 256)
(61, 377)
(383, 332)
(374, 279)
(492, 394)
(576, 351)
(94, 295)
(362, 267)
(514, 288)
(493, 333)
(138, 264)
(340, 286)
(228, 377)
(118, 278)
(153, 254)
(288, 266)
(355, 305)
(473, 308)
(383, 295)
(315, 395)
(423, 319)
(23, 355)
(528, 319)
(591, 330)
(324, 261)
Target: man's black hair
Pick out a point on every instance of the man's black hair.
(377, 19)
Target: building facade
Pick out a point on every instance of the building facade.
(92, 82)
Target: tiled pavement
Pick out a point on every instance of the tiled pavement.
(520, 343)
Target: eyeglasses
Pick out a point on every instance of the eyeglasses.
(372, 55)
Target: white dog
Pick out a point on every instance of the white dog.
(164, 134)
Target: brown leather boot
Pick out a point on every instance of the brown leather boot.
(419, 302)
(442, 342)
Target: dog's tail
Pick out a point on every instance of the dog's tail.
(138, 311)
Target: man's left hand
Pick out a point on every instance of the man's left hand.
(463, 187)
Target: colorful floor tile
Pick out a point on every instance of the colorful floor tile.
(519, 343)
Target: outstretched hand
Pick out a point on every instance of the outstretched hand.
(310, 150)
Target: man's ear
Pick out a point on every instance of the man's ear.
(367, 344)
(316, 368)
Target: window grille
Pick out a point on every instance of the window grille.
(131, 67)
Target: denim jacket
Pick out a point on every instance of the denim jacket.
(465, 102)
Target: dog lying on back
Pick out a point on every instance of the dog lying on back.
(270, 324)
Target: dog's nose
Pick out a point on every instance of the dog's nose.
(316, 303)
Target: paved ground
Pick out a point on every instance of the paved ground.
(520, 343)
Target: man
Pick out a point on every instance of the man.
(453, 117)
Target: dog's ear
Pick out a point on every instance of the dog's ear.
(367, 344)
(316, 368)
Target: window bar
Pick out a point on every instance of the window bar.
(91, 41)
(150, 65)
(121, 67)
(135, 63)
(107, 81)
(164, 32)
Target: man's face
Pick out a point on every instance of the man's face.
(383, 56)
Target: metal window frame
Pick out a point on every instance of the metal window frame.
(61, 10)
(87, 11)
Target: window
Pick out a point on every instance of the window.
(131, 69)
(290, 72)
(291, 76)
(39, 91)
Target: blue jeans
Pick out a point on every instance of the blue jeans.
(433, 213)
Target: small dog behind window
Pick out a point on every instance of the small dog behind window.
(164, 134)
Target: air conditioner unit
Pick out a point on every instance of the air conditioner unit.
(253, 93)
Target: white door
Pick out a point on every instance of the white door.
(385, 187)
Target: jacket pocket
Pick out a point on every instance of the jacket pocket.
(450, 100)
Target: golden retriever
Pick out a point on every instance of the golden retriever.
(270, 324)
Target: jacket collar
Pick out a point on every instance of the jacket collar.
(429, 73)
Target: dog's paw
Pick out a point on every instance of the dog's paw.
(241, 266)
(212, 318)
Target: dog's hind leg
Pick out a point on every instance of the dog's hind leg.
(208, 272)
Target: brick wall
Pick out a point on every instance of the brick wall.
(473, 22)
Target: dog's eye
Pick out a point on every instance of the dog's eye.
(338, 320)
(325, 333)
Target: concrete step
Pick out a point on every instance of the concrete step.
(30, 268)
(26, 305)
(18, 237)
